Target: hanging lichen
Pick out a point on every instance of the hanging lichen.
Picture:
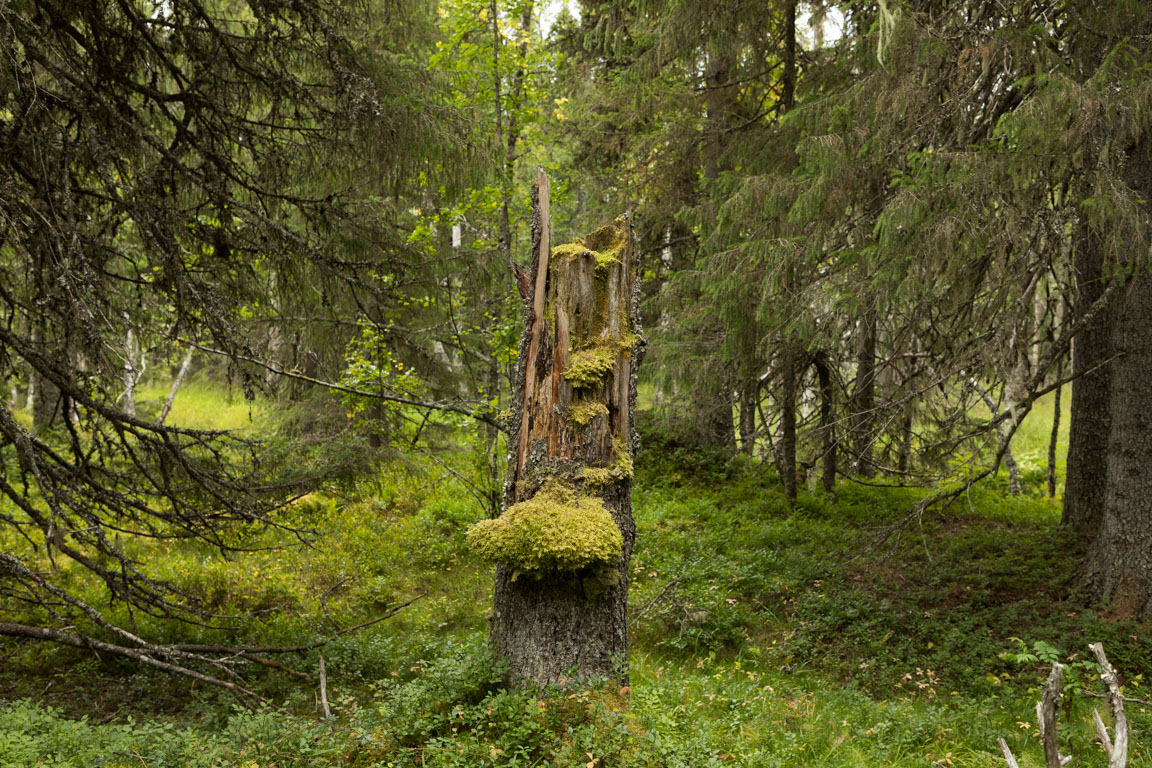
(555, 530)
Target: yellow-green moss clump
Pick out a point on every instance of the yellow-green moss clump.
(604, 258)
(620, 469)
(581, 414)
(555, 530)
(586, 367)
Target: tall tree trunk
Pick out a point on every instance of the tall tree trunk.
(786, 403)
(1118, 567)
(712, 391)
(748, 395)
(864, 396)
(573, 424)
(1090, 420)
(1054, 437)
(44, 396)
(788, 86)
(133, 370)
(827, 420)
(904, 458)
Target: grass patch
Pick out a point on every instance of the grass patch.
(764, 634)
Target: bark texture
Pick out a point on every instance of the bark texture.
(573, 421)
(1090, 421)
(1118, 568)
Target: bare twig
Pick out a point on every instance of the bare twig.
(653, 601)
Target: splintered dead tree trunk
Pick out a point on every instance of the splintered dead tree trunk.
(573, 426)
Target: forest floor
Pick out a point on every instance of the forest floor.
(764, 634)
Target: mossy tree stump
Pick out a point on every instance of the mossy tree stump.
(571, 441)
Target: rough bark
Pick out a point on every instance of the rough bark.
(578, 430)
(1090, 419)
(1118, 568)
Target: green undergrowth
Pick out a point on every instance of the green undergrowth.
(833, 631)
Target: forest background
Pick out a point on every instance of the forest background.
(263, 277)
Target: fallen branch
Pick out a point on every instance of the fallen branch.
(163, 656)
(144, 656)
(653, 601)
(1116, 748)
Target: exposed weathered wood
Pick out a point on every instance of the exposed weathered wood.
(542, 250)
(1008, 756)
(1046, 715)
(324, 689)
(572, 414)
(1117, 749)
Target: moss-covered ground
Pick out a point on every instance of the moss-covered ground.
(764, 634)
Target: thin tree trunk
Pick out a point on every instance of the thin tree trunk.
(573, 414)
(786, 461)
(748, 396)
(131, 373)
(176, 383)
(827, 419)
(788, 86)
(904, 460)
(864, 396)
(1054, 438)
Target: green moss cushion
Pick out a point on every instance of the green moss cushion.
(555, 530)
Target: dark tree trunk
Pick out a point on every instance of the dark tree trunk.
(788, 86)
(1054, 437)
(827, 420)
(864, 397)
(748, 395)
(573, 423)
(1090, 421)
(712, 403)
(786, 402)
(904, 458)
(1118, 567)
